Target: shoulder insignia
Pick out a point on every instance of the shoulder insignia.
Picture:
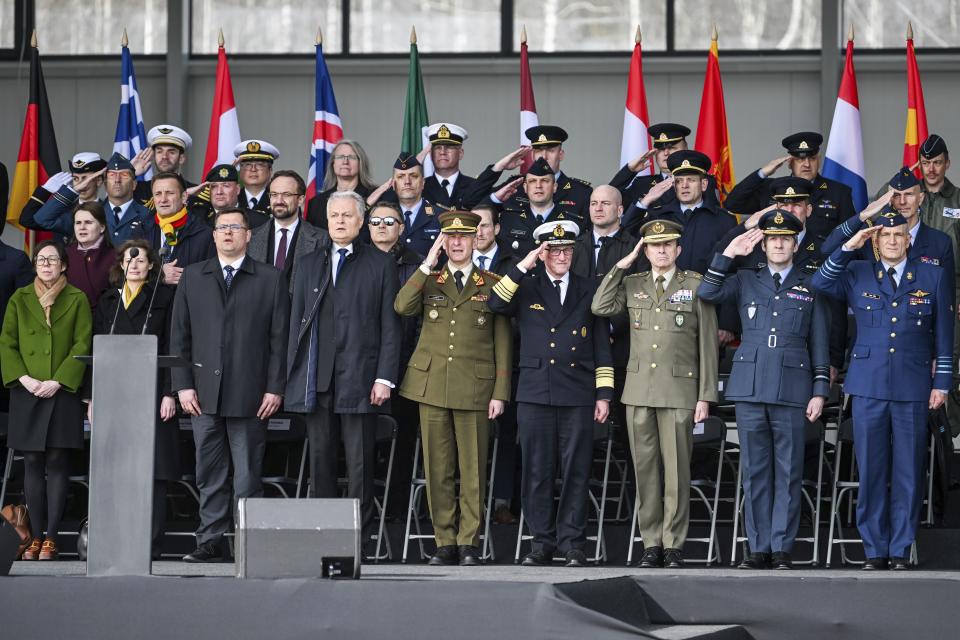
(560, 216)
(693, 274)
(585, 183)
(811, 247)
(824, 187)
(568, 185)
(427, 209)
(477, 278)
(490, 274)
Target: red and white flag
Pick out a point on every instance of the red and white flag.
(636, 140)
(528, 106)
(224, 132)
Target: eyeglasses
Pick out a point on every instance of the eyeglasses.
(285, 195)
(556, 251)
(377, 221)
(223, 228)
(348, 157)
(44, 260)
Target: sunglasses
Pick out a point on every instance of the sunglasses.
(377, 221)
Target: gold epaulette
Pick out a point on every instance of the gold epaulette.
(693, 274)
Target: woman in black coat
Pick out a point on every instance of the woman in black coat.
(130, 304)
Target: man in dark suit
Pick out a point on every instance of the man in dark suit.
(448, 186)
(566, 383)
(230, 318)
(288, 236)
(344, 352)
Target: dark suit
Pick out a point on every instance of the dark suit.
(306, 239)
(565, 367)
(237, 342)
(317, 207)
(194, 241)
(344, 336)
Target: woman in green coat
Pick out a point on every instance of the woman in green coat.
(46, 324)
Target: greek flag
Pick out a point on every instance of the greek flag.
(131, 138)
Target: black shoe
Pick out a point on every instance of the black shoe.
(781, 560)
(470, 556)
(755, 561)
(576, 558)
(444, 556)
(673, 559)
(537, 558)
(652, 558)
(900, 564)
(875, 564)
(205, 552)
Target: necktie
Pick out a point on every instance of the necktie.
(893, 277)
(482, 262)
(458, 276)
(228, 276)
(281, 258)
(116, 215)
(601, 242)
(539, 218)
(407, 221)
(556, 285)
(446, 185)
(343, 258)
(253, 203)
(776, 281)
(659, 286)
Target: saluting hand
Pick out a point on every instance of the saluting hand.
(433, 256)
(506, 192)
(382, 189)
(141, 161)
(530, 261)
(860, 238)
(743, 244)
(512, 160)
(423, 153)
(627, 261)
(754, 219)
(638, 163)
(656, 191)
(874, 207)
(771, 167)
(83, 180)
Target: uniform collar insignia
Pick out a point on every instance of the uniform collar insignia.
(909, 275)
(477, 278)
(823, 187)
(442, 277)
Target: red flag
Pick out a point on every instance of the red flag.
(636, 141)
(38, 158)
(528, 106)
(713, 138)
(916, 129)
(224, 127)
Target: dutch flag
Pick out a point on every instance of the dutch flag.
(131, 137)
(327, 127)
(843, 161)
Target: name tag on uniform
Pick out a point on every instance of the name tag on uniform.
(951, 213)
(683, 295)
(930, 260)
(436, 297)
(827, 204)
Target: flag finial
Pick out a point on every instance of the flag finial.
(523, 34)
(850, 33)
(220, 39)
(909, 30)
(636, 38)
(714, 35)
(413, 35)
(33, 39)
(124, 41)
(319, 36)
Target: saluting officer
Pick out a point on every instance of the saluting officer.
(421, 227)
(448, 186)
(832, 201)
(671, 381)
(522, 215)
(566, 382)
(460, 375)
(900, 365)
(779, 380)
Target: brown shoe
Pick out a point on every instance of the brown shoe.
(31, 552)
(18, 518)
(502, 515)
(49, 550)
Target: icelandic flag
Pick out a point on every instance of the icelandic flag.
(131, 137)
(327, 127)
(843, 160)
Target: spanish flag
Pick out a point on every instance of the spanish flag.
(713, 138)
(916, 129)
(38, 158)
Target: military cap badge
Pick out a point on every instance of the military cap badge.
(662, 138)
(443, 132)
(685, 164)
(803, 145)
(558, 231)
(778, 219)
(253, 146)
(224, 172)
(790, 192)
(542, 138)
(658, 227)
(78, 163)
(165, 130)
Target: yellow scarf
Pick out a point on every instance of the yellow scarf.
(129, 293)
(47, 295)
(170, 224)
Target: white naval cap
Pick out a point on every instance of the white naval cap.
(87, 162)
(441, 133)
(169, 134)
(256, 150)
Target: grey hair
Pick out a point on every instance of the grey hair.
(349, 195)
(364, 179)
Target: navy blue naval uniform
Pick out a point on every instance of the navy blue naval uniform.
(782, 362)
(565, 367)
(900, 332)
(421, 226)
(518, 222)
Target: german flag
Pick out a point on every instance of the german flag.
(38, 158)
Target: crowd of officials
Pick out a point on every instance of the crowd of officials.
(535, 300)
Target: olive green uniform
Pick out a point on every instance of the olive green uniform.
(672, 366)
(462, 361)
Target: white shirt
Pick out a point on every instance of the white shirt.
(277, 235)
(667, 277)
(451, 180)
(235, 264)
(466, 270)
(489, 255)
(913, 231)
(123, 208)
(335, 262)
(899, 268)
(251, 196)
(564, 283)
(596, 243)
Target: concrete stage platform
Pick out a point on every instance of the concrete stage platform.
(418, 601)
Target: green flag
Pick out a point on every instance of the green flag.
(415, 115)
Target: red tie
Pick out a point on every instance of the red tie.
(281, 258)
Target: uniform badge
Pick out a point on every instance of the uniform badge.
(929, 260)
(434, 314)
(920, 293)
(872, 296)
(678, 319)
(909, 275)
(683, 295)
(481, 320)
(641, 296)
(566, 186)
(951, 213)
(798, 287)
(477, 279)
(537, 307)
(583, 332)
(428, 210)
(751, 311)
(480, 297)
